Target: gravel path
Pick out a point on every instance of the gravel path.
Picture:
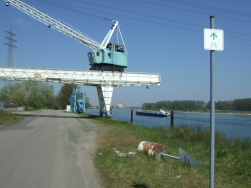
(49, 149)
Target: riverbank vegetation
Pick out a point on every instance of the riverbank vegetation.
(237, 105)
(8, 118)
(232, 164)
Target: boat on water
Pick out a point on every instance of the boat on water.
(160, 113)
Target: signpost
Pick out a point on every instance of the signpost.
(213, 40)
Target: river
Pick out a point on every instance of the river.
(232, 125)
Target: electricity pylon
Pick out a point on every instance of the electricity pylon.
(10, 51)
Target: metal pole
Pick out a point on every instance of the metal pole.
(132, 117)
(212, 112)
(172, 119)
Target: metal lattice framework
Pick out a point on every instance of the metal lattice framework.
(80, 77)
(11, 46)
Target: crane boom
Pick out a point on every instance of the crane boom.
(53, 23)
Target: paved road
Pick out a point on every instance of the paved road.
(49, 149)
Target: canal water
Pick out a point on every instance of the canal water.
(232, 125)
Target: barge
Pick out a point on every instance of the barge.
(160, 113)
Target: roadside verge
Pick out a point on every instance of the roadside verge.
(232, 157)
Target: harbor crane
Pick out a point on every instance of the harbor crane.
(105, 56)
(107, 60)
(77, 99)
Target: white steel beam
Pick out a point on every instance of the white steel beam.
(80, 77)
(104, 81)
(105, 99)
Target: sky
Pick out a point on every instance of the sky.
(160, 35)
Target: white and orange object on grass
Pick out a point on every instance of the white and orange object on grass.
(156, 150)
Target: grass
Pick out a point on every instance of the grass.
(9, 118)
(232, 165)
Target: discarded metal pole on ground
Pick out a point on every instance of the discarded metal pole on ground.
(156, 150)
(172, 119)
(132, 116)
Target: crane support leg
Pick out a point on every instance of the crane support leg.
(105, 99)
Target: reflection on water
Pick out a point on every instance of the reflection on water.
(230, 124)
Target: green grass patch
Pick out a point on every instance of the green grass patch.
(232, 165)
(9, 118)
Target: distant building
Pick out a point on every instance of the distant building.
(21, 108)
(8, 106)
(121, 105)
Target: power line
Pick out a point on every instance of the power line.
(208, 7)
(65, 10)
(137, 13)
(161, 18)
(32, 46)
(74, 10)
(148, 21)
(143, 20)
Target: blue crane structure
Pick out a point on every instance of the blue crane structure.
(105, 56)
(77, 99)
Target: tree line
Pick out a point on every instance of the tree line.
(42, 95)
(193, 105)
(175, 105)
(38, 95)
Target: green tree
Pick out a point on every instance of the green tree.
(4, 94)
(242, 104)
(64, 95)
(29, 93)
(175, 105)
(224, 105)
(18, 97)
(149, 106)
(87, 101)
